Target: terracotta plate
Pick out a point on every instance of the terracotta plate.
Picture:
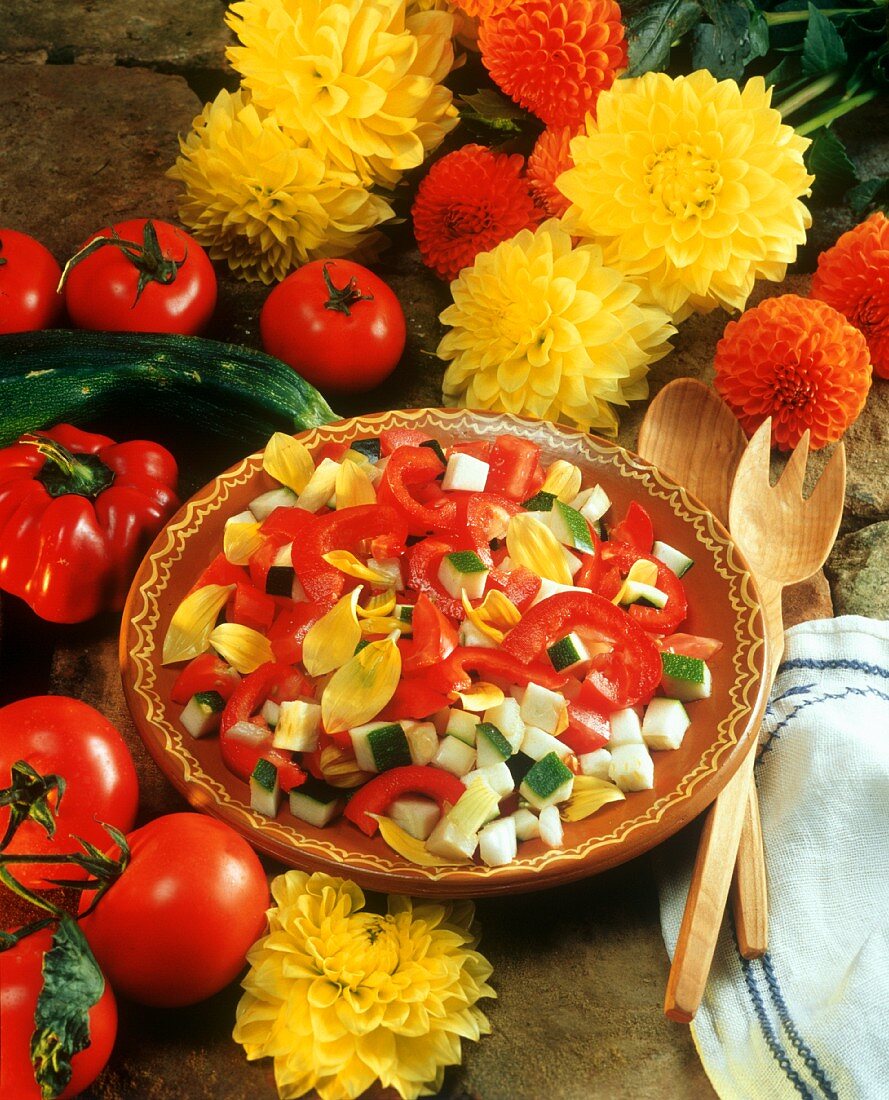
(722, 604)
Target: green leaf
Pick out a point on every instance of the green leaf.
(870, 194)
(28, 796)
(829, 163)
(724, 46)
(72, 984)
(652, 31)
(494, 110)
(823, 47)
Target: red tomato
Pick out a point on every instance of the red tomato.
(29, 275)
(176, 926)
(336, 323)
(66, 737)
(178, 291)
(21, 980)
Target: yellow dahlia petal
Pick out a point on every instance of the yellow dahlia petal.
(193, 620)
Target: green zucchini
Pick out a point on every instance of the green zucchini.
(219, 390)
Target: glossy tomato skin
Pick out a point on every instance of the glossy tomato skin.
(341, 352)
(176, 926)
(66, 737)
(21, 980)
(28, 280)
(100, 290)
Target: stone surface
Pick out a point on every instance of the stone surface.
(165, 34)
(858, 570)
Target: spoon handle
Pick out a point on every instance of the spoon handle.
(749, 893)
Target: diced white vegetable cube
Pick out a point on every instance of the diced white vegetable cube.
(664, 724)
(462, 725)
(463, 571)
(265, 790)
(527, 825)
(417, 816)
(671, 557)
(507, 717)
(422, 740)
(537, 743)
(497, 842)
(592, 503)
(551, 588)
(454, 755)
(626, 729)
(469, 634)
(299, 723)
(248, 733)
(262, 506)
(391, 568)
(316, 809)
(497, 776)
(544, 708)
(548, 782)
(199, 717)
(449, 842)
(271, 711)
(466, 473)
(283, 558)
(551, 832)
(596, 763)
(632, 768)
(241, 517)
(380, 745)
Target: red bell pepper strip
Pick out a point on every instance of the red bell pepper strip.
(588, 728)
(635, 529)
(206, 672)
(513, 463)
(476, 448)
(519, 585)
(376, 796)
(690, 645)
(656, 620)
(434, 636)
(393, 438)
(415, 466)
(77, 512)
(251, 607)
(289, 629)
(505, 666)
(610, 683)
(423, 561)
(220, 571)
(269, 681)
(414, 698)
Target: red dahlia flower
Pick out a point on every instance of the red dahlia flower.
(555, 58)
(550, 157)
(470, 201)
(853, 277)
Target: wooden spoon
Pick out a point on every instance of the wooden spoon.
(692, 435)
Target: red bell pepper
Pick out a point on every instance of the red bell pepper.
(206, 672)
(476, 448)
(413, 467)
(77, 513)
(251, 607)
(588, 728)
(414, 698)
(514, 465)
(220, 571)
(423, 561)
(453, 673)
(635, 529)
(656, 620)
(434, 636)
(269, 681)
(393, 438)
(376, 796)
(289, 629)
(519, 585)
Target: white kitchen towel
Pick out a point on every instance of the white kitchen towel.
(811, 1018)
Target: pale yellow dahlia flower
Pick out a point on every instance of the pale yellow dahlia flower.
(341, 998)
(257, 199)
(544, 329)
(356, 78)
(692, 186)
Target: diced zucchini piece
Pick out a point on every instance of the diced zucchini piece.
(497, 776)
(596, 763)
(540, 502)
(422, 740)
(316, 802)
(463, 571)
(265, 791)
(592, 503)
(416, 815)
(626, 728)
(299, 723)
(632, 768)
(551, 832)
(519, 765)
(685, 678)
(664, 724)
(551, 588)
(549, 781)
(507, 717)
(469, 634)
(567, 653)
(465, 473)
(379, 746)
(202, 712)
(391, 567)
(491, 746)
(537, 743)
(544, 708)
(454, 756)
(634, 592)
(462, 725)
(271, 711)
(263, 505)
(497, 842)
(280, 577)
(447, 841)
(405, 612)
(435, 446)
(569, 527)
(370, 448)
(671, 557)
(527, 825)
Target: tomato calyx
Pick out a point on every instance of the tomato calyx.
(342, 298)
(63, 474)
(28, 797)
(148, 259)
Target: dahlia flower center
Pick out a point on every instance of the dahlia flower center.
(872, 315)
(793, 388)
(683, 180)
(467, 221)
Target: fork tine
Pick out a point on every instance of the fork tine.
(832, 483)
(795, 470)
(756, 458)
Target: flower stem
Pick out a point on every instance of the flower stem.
(810, 92)
(837, 111)
(783, 18)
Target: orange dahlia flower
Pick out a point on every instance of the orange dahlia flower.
(853, 277)
(550, 157)
(481, 9)
(799, 361)
(554, 58)
(470, 201)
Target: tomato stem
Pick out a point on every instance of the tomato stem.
(343, 297)
(148, 258)
(28, 797)
(65, 474)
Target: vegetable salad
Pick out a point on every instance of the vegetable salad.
(455, 646)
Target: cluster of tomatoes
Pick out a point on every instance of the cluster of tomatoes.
(335, 322)
(172, 929)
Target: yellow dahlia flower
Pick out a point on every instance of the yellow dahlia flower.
(692, 186)
(340, 997)
(547, 330)
(356, 78)
(264, 203)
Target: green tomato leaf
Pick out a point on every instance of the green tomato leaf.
(72, 984)
(829, 163)
(652, 30)
(28, 796)
(494, 110)
(869, 195)
(823, 47)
